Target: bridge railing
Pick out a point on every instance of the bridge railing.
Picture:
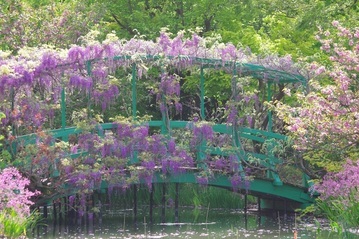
(268, 162)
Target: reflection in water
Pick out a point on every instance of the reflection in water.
(193, 223)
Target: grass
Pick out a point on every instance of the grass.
(14, 226)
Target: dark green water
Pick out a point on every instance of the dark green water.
(200, 223)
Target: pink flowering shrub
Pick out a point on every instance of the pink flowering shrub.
(14, 193)
(324, 123)
(341, 184)
(339, 199)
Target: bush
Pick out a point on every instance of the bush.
(15, 202)
(339, 199)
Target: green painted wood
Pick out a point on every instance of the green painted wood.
(203, 116)
(258, 187)
(269, 99)
(239, 153)
(134, 91)
(259, 136)
(89, 73)
(12, 95)
(245, 69)
(247, 133)
(63, 108)
(156, 123)
(134, 158)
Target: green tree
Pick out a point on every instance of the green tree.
(24, 23)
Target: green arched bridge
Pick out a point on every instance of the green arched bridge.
(88, 154)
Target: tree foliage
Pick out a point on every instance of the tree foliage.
(285, 27)
(33, 23)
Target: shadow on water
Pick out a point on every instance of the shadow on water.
(193, 223)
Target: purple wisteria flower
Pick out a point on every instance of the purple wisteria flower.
(236, 182)
(202, 180)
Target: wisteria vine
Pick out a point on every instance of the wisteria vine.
(32, 88)
(40, 73)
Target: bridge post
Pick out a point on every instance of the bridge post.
(163, 213)
(271, 172)
(60, 211)
(203, 116)
(201, 155)
(279, 205)
(134, 158)
(63, 113)
(89, 72)
(151, 203)
(63, 105)
(13, 146)
(176, 203)
(45, 213)
(306, 181)
(269, 98)
(245, 203)
(135, 204)
(259, 204)
(240, 154)
(12, 96)
(54, 211)
(134, 92)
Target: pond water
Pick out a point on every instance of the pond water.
(193, 223)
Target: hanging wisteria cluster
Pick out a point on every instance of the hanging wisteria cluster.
(37, 75)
